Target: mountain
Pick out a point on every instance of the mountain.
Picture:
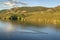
(27, 9)
(30, 9)
(34, 15)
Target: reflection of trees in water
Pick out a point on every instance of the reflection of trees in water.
(24, 25)
(57, 27)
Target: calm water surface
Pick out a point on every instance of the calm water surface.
(13, 31)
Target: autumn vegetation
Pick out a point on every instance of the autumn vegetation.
(33, 15)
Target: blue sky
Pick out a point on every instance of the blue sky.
(46, 3)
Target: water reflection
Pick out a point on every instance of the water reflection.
(9, 26)
(14, 30)
(5, 26)
(12, 27)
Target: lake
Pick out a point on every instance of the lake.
(15, 31)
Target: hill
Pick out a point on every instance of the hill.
(33, 15)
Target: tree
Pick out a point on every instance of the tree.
(13, 17)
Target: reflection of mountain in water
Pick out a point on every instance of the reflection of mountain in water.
(8, 27)
(13, 30)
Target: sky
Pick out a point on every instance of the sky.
(46, 3)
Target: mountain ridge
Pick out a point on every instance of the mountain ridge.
(33, 15)
(31, 9)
